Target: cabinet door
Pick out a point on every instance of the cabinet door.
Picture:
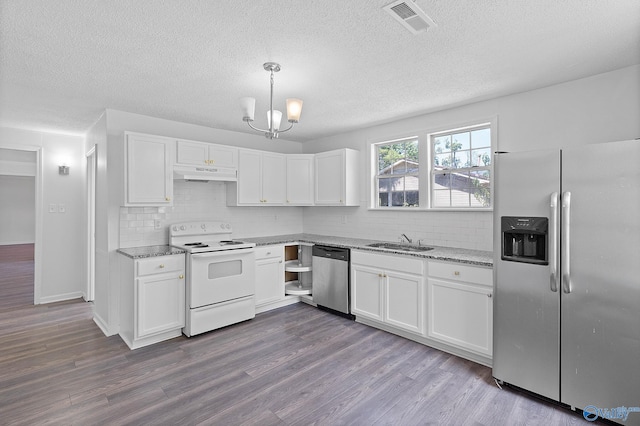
(461, 315)
(329, 177)
(223, 156)
(300, 179)
(404, 307)
(366, 292)
(192, 153)
(269, 280)
(274, 178)
(249, 177)
(160, 304)
(148, 172)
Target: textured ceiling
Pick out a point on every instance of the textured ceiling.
(62, 62)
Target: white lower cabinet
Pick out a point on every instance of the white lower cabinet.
(445, 305)
(389, 289)
(152, 299)
(269, 275)
(460, 306)
(270, 279)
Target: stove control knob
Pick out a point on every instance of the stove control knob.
(183, 228)
(203, 226)
(228, 226)
(222, 225)
(175, 228)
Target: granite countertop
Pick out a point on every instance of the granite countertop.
(450, 254)
(150, 251)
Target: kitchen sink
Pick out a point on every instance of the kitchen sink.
(403, 247)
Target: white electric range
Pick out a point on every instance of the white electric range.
(220, 275)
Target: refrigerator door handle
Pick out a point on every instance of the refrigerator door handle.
(553, 242)
(566, 242)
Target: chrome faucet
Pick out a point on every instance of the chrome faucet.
(406, 238)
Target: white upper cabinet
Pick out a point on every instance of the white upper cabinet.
(148, 170)
(261, 179)
(336, 178)
(206, 154)
(300, 179)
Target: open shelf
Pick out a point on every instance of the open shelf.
(297, 267)
(296, 289)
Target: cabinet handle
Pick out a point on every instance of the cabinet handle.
(456, 273)
(489, 295)
(181, 276)
(161, 266)
(167, 198)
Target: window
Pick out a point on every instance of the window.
(458, 175)
(461, 168)
(397, 179)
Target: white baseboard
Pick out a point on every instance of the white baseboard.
(103, 326)
(60, 297)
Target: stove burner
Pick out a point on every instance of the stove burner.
(193, 244)
(230, 242)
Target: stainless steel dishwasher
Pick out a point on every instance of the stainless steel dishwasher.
(330, 279)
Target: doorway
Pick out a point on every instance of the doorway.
(20, 167)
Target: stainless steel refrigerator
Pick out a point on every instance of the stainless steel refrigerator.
(567, 274)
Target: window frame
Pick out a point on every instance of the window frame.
(425, 191)
(377, 176)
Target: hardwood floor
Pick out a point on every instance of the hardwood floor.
(292, 366)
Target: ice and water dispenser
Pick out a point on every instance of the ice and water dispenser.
(524, 239)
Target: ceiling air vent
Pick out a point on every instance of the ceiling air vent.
(410, 16)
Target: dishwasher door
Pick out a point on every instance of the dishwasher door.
(330, 269)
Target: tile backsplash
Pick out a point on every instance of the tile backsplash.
(195, 201)
(469, 230)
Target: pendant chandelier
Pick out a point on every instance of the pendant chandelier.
(294, 109)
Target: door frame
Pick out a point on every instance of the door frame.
(91, 164)
(37, 247)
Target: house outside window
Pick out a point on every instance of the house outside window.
(458, 173)
(461, 168)
(397, 176)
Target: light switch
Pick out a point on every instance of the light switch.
(53, 208)
(62, 208)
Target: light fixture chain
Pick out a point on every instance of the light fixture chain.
(271, 105)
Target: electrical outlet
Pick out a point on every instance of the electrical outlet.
(62, 208)
(156, 224)
(275, 217)
(344, 219)
(53, 208)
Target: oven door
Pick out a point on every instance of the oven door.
(220, 276)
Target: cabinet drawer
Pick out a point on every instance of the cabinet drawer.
(460, 272)
(407, 264)
(157, 265)
(267, 252)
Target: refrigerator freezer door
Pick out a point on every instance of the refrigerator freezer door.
(601, 316)
(526, 350)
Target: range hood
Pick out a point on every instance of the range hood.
(205, 174)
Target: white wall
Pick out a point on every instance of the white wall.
(60, 252)
(17, 210)
(600, 108)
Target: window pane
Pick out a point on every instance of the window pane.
(398, 192)
(442, 181)
(441, 143)
(441, 198)
(481, 182)
(442, 161)
(460, 141)
(481, 138)
(398, 158)
(460, 159)
(481, 157)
